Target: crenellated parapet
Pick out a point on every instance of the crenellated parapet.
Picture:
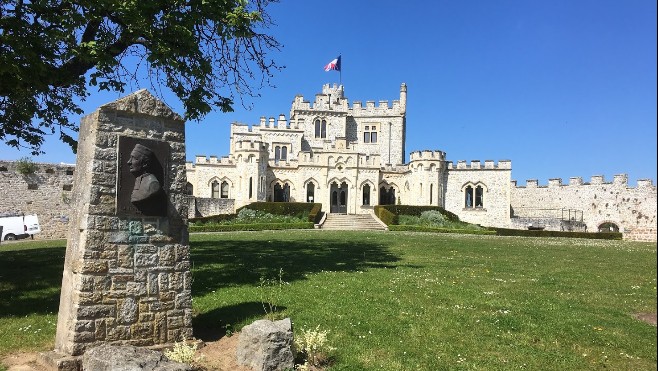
(264, 124)
(250, 146)
(619, 180)
(478, 165)
(332, 98)
(213, 160)
(427, 155)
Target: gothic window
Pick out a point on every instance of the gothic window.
(366, 194)
(479, 196)
(277, 154)
(474, 197)
(310, 192)
(189, 189)
(469, 197)
(370, 134)
(224, 189)
(214, 189)
(281, 194)
(387, 196)
(284, 153)
(320, 128)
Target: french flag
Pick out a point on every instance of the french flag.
(333, 65)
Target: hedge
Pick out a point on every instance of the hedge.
(537, 233)
(314, 211)
(249, 227)
(420, 228)
(385, 215)
(418, 210)
(284, 208)
(389, 213)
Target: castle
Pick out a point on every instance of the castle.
(352, 157)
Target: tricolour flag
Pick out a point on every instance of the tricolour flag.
(333, 65)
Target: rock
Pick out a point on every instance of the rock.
(266, 346)
(128, 358)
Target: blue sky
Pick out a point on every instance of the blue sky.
(562, 88)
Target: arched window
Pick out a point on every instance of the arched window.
(189, 189)
(323, 133)
(214, 189)
(281, 194)
(468, 202)
(366, 194)
(474, 197)
(310, 192)
(224, 189)
(277, 154)
(284, 153)
(479, 196)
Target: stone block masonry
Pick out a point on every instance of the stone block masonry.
(126, 277)
(47, 192)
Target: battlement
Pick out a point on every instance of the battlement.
(280, 123)
(620, 180)
(333, 98)
(427, 155)
(250, 145)
(213, 160)
(477, 165)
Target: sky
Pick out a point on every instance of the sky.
(562, 88)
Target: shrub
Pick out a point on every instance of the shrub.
(26, 166)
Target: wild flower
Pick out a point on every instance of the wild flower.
(313, 346)
(182, 352)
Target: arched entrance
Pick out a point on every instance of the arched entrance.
(338, 198)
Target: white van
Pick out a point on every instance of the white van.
(19, 226)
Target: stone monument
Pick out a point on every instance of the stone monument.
(127, 277)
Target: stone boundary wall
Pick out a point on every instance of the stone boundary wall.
(47, 193)
(632, 209)
(200, 207)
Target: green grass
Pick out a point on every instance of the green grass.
(399, 300)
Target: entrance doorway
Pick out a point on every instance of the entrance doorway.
(338, 198)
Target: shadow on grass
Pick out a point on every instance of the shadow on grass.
(221, 263)
(30, 281)
(213, 325)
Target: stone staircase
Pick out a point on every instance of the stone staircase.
(352, 222)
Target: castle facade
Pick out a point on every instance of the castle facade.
(351, 157)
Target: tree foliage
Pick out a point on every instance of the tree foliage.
(207, 52)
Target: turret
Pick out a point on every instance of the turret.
(403, 97)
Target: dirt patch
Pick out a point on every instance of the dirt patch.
(20, 361)
(217, 355)
(220, 355)
(649, 318)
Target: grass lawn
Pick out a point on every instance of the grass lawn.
(396, 300)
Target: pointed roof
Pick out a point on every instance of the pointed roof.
(143, 102)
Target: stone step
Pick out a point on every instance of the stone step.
(351, 222)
